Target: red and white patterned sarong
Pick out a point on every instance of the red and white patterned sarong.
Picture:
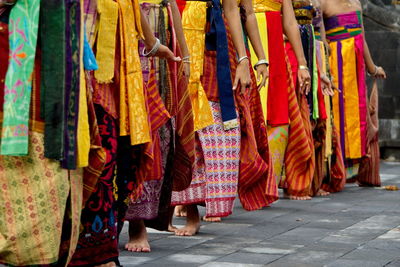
(216, 171)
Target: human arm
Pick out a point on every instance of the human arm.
(180, 37)
(150, 41)
(255, 39)
(291, 30)
(232, 16)
(375, 71)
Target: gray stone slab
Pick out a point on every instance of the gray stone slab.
(230, 264)
(382, 256)
(303, 234)
(133, 260)
(353, 263)
(283, 262)
(249, 258)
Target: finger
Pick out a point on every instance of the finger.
(258, 76)
(235, 83)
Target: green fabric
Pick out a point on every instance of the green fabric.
(314, 74)
(52, 38)
(23, 31)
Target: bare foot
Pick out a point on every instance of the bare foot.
(211, 219)
(192, 222)
(172, 228)
(109, 264)
(293, 197)
(181, 211)
(322, 193)
(138, 241)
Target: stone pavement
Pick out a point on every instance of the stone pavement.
(357, 227)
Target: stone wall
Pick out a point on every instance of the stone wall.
(382, 27)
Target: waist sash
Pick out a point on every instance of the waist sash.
(216, 40)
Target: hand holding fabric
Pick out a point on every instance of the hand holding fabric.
(262, 75)
(242, 76)
(304, 81)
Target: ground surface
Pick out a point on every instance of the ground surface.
(357, 227)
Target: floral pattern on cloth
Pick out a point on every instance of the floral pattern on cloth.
(216, 172)
(32, 206)
(23, 32)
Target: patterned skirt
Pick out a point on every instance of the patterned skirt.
(216, 171)
(98, 240)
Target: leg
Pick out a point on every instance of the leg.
(211, 219)
(293, 197)
(171, 228)
(109, 264)
(322, 193)
(180, 211)
(138, 241)
(192, 222)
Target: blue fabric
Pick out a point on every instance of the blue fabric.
(216, 40)
(89, 60)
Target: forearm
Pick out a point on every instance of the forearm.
(232, 16)
(149, 38)
(291, 30)
(254, 35)
(179, 29)
(368, 59)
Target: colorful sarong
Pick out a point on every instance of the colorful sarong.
(98, 239)
(268, 14)
(216, 172)
(40, 202)
(23, 31)
(344, 32)
(299, 157)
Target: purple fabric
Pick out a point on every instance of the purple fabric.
(341, 98)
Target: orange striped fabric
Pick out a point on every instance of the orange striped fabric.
(337, 174)
(209, 77)
(299, 157)
(319, 136)
(257, 187)
(368, 174)
(150, 167)
(185, 140)
(97, 155)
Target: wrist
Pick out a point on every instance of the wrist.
(243, 59)
(149, 52)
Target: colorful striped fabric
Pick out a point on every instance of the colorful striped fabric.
(299, 157)
(348, 71)
(257, 187)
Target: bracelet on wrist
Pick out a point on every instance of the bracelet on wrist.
(186, 58)
(261, 62)
(375, 72)
(242, 58)
(303, 67)
(153, 50)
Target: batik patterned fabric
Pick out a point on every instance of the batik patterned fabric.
(98, 239)
(33, 202)
(278, 139)
(344, 32)
(194, 23)
(216, 171)
(23, 31)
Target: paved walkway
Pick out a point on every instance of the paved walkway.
(357, 227)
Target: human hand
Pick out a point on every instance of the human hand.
(166, 53)
(380, 73)
(327, 86)
(304, 81)
(262, 74)
(242, 76)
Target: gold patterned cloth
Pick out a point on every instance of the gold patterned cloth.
(261, 6)
(194, 23)
(133, 113)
